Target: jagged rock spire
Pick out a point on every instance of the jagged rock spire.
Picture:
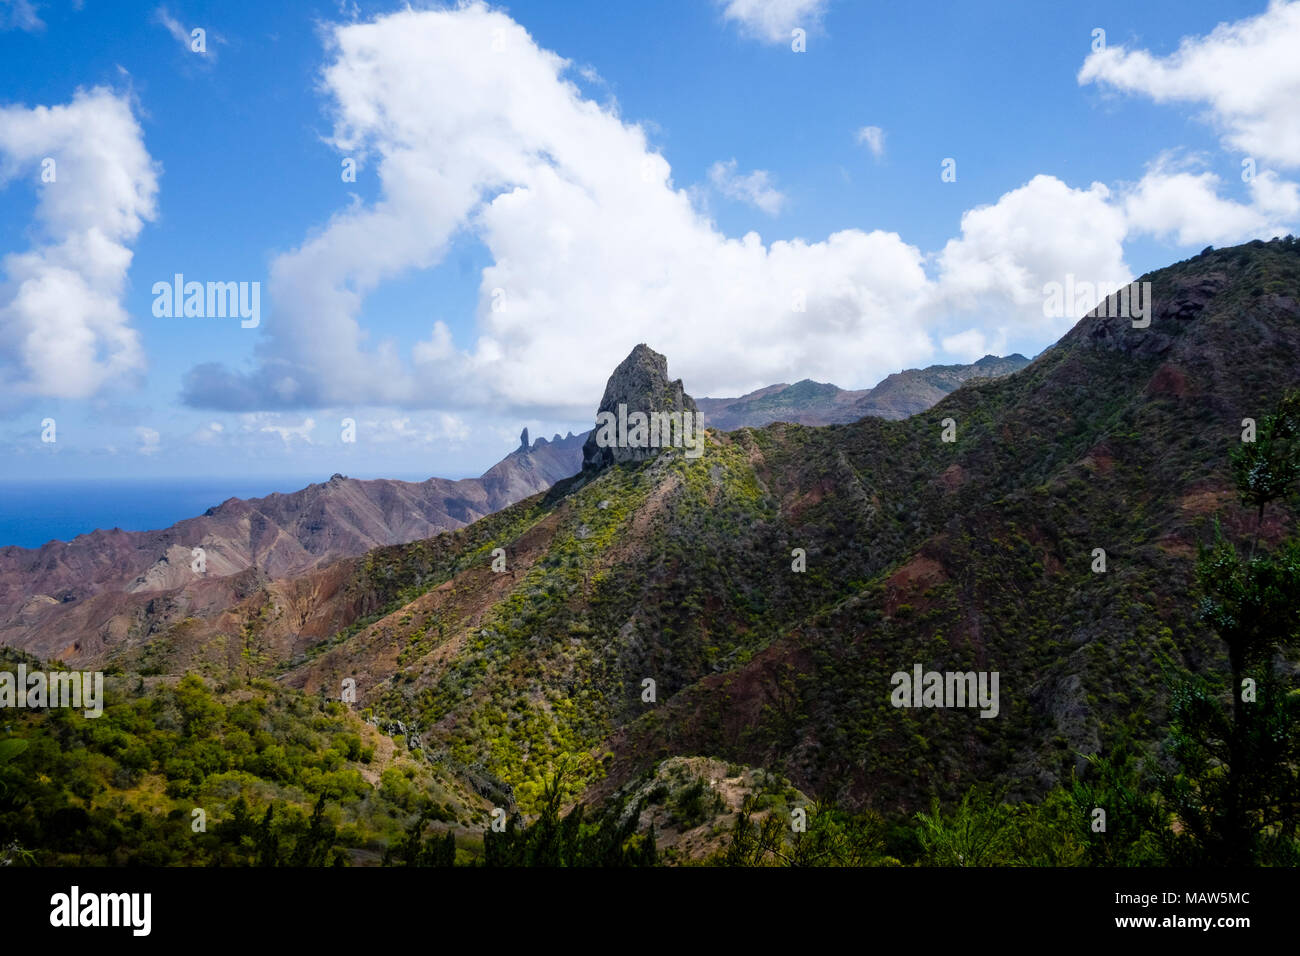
(640, 384)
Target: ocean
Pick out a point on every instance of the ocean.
(34, 512)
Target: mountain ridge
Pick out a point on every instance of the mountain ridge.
(280, 534)
(818, 403)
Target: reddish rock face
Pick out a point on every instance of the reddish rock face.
(952, 477)
(1169, 380)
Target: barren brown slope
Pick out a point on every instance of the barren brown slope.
(279, 536)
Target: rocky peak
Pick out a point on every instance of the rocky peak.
(1168, 306)
(640, 384)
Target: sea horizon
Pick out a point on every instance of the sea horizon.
(36, 512)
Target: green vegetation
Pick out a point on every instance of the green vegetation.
(280, 778)
(1237, 794)
(1158, 690)
(571, 840)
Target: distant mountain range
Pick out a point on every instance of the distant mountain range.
(278, 536)
(815, 403)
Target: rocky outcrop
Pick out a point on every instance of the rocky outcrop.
(640, 384)
(1189, 296)
(1167, 308)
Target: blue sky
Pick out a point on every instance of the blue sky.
(677, 181)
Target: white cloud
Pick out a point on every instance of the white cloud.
(971, 345)
(185, 37)
(173, 26)
(1186, 207)
(383, 426)
(1274, 197)
(873, 137)
(210, 433)
(594, 250)
(405, 430)
(1246, 73)
(1036, 234)
(20, 15)
(287, 433)
(773, 20)
(63, 329)
(754, 188)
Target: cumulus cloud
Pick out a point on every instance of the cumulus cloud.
(772, 20)
(1039, 233)
(873, 137)
(754, 188)
(594, 249)
(1186, 207)
(1246, 74)
(1274, 197)
(972, 345)
(63, 329)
